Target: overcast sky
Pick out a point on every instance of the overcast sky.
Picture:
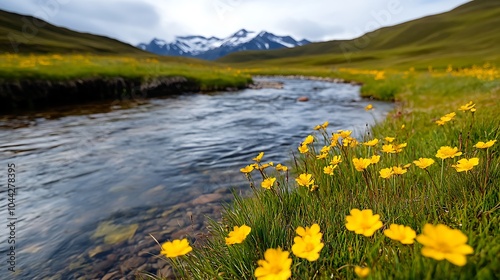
(135, 21)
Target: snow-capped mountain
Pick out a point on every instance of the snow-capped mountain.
(213, 47)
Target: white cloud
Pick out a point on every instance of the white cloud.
(135, 21)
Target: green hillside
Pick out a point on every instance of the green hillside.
(26, 34)
(469, 34)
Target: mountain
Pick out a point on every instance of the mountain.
(213, 47)
(26, 34)
(466, 35)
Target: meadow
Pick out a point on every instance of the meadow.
(414, 197)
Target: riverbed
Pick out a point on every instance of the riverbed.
(158, 167)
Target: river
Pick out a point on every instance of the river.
(157, 167)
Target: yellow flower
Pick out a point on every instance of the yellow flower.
(175, 248)
(325, 149)
(440, 122)
(369, 107)
(258, 158)
(329, 169)
(467, 106)
(344, 133)
(375, 159)
(336, 160)
(403, 126)
(441, 242)
(335, 139)
(448, 117)
(349, 141)
(386, 173)
(307, 247)
(361, 163)
(466, 164)
(389, 139)
(403, 234)
(389, 148)
(247, 169)
(363, 222)
(362, 272)
(303, 149)
(305, 180)
(447, 152)
(238, 234)
(309, 139)
(482, 145)
(268, 183)
(371, 143)
(275, 266)
(322, 156)
(399, 148)
(314, 230)
(280, 167)
(398, 170)
(324, 125)
(423, 162)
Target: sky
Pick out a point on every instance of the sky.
(137, 21)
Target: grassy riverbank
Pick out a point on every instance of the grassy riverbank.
(64, 67)
(467, 201)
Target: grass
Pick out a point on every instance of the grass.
(65, 67)
(466, 201)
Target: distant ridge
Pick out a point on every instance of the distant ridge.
(213, 47)
(26, 34)
(468, 34)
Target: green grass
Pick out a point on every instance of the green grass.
(66, 67)
(463, 37)
(468, 201)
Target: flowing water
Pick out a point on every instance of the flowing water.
(76, 170)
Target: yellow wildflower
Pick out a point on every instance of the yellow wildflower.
(175, 248)
(483, 145)
(268, 183)
(325, 149)
(401, 233)
(389, 148)
(363, 222)
(238, 235)
(398, 170)
(309, 139)
(441, 242)
(335, 139)
(336, 160)
(423, 162)
(466, 164)
(362, 272)
(361, 163)
(258, 158)
(399, 148)
(276, 265)
(313, 230)
(389, 139)
(305, 180)
(375, 159)
(386, 173)
(467, 106)
(307, 247)
(280, 167)
(447, 152)
(247, 169)
(371, 143)
(344, 133)
(440, 122)
(303, 149)
(322, 156)
(329, 169)
(369, 107)
(321, 126)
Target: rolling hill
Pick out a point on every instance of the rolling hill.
(26, 34)
(468, 34)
